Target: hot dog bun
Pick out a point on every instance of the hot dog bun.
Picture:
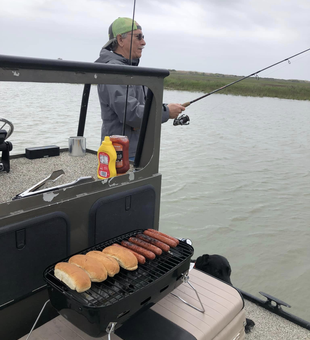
(123, 256)
(109, 262)
(74, 277)
(96, 271)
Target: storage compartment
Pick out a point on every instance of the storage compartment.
(224, 316)
(26, 249)
(119, 213)
(42, 151)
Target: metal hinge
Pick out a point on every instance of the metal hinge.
(185, 279)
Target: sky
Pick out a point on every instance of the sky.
(237, 37)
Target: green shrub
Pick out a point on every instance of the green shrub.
(254, 87)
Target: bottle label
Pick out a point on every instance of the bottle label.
(119, 153)
(104, 160)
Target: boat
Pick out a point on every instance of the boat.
(53, 206)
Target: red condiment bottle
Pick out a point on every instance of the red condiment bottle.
(121, 145)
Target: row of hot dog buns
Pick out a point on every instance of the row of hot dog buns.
(96, 266)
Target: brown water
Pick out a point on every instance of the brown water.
(236, 181)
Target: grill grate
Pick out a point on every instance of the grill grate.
(125, 283)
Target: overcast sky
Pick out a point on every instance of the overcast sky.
(219, 36)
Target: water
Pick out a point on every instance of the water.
(236, 181)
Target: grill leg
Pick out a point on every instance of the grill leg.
(37, 319)
(110, 329)
(185, 279)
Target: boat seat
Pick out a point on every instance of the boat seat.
(224, 316)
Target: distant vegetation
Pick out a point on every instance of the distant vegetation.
(254, 87)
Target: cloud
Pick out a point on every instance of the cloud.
(216, 36)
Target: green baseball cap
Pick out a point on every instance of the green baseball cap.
(120, 26)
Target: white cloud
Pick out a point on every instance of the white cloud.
(227, 36)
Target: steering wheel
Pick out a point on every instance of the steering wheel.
(3, 123)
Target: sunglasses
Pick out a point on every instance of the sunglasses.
(139, 36)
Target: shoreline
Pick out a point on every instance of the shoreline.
(250, 87)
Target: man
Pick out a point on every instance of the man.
(113, 97)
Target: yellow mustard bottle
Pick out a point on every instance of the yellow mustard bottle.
(106, 156)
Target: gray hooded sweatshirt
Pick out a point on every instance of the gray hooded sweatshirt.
(112, 101)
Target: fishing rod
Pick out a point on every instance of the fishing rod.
(130, 63)
(184, 119)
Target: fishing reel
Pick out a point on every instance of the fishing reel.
(183, 119)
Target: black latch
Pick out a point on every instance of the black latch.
(20, 238)
(127, 203)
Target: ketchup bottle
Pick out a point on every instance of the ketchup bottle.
(121, 145)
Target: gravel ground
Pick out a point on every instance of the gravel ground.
(269, 326)
(25, 173)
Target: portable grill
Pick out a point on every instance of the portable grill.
(116, 299)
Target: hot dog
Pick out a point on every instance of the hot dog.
(140, 258)
(159, 244)
(146, 253)
(165, 235)
(146, 245)
(171, 243)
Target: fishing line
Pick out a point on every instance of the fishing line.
(133, 20)
(280, 68)
(184, 119)
(130, 63)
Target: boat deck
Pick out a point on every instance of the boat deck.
(25, 172)
(269, 326)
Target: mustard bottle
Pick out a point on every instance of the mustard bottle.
(106, 156)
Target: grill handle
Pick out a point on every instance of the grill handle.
(110, 329)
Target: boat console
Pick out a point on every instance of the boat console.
(43, 217)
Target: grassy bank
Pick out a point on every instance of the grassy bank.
(254, 87)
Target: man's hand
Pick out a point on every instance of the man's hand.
(175, 110)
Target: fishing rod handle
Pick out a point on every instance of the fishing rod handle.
(186, 104)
